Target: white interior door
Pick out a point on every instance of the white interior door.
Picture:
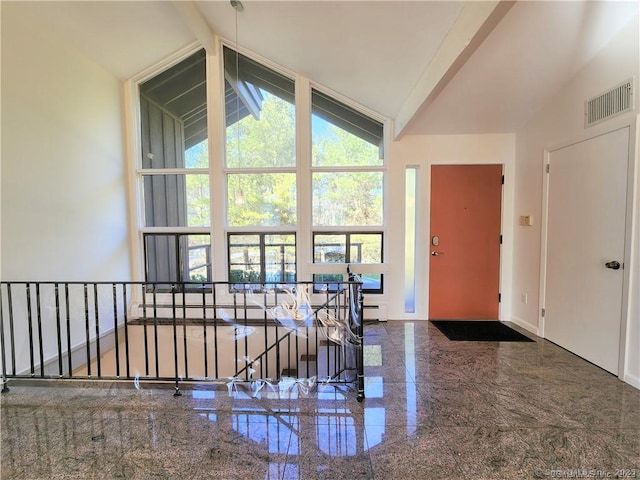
(585, 236)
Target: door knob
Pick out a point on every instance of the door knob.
(613, 265)
(435, 253)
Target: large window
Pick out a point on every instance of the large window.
(347, 187)
(260, 144)
(175, 173)
(347, 160)
(265, 193)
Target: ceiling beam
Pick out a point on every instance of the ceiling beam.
(197, 24)
(475, 22)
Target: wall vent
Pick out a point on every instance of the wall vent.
(609, 104)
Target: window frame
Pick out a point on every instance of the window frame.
(347, 234)
(227, 171)
(262, 247)
(353, 168)
(217, 170)
(181, 261)
(140, 172)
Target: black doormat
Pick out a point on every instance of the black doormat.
(479, 331)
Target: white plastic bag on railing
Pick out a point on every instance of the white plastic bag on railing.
(295, 313)
(286, 386)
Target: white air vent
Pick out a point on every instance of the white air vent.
(609, 104)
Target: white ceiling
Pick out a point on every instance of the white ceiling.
(370, 51)
(374, 52)
(528, 57)
(123, 37)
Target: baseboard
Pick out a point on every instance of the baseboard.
(526, 325)
(377, 312)
(632, 380)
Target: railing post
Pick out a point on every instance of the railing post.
(175, 339)
(265, 330)
(215, 330)
(56, 287)
(87, 328)
(5, 388)
(96, 310)
(184, 331)
(30, 322)
(248, 374)
(125, 308)
(360, 350)
(68, 328)
(143, 297)
(204, 331)
(40, 338)
(12, 332)
(155, 330)
(116, 340)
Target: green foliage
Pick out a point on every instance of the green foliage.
(262, 199)
(347, 198)
(328, 277)
(334, 147)
(265, 142)
(269, 198)
(244, 276)
(198, 206)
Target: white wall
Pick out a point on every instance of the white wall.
(424, 151)
(561, 122)
(1, 43)
(63, 196)
(64, 214)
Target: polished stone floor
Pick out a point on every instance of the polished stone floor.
(435, 409)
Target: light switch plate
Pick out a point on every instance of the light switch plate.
(526, 220)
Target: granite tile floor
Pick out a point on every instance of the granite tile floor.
(434, 409)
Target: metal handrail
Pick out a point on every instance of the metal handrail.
(277, 342)
(77, 330)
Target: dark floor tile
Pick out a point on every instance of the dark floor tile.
(461, 405)
(331, 449)
(411, 452)
(581, 448)
(491, 452)
(433, 409)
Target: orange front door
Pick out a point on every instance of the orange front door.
(464, 271)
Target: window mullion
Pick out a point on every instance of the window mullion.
(173, 171)
(347, 246)
(263, 263)
(304, 250)
(216, 128)
(254, 170)
(353, 168)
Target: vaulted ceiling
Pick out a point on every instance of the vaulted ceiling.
(432, 66)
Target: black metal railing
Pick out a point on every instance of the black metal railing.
(179, 332)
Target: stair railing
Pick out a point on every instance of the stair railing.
(169, 332)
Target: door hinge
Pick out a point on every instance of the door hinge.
(502, 179)
(499, 297)
(548, 167)
(543, 312)
(500, 239)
